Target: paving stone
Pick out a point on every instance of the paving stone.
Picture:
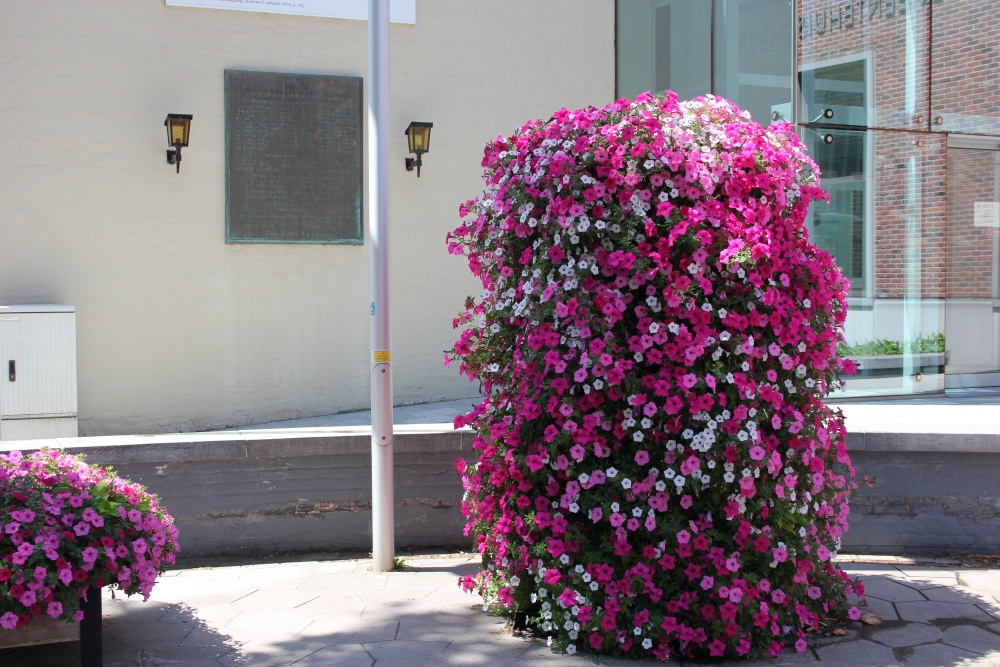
(164, 657)
(892, 591)
(958, 594)
(336, 605)
(350, 631)
(282, 577)
(220, 591)
(929, 611)
(540, 654)
(909, 634)
(971, 638)
(344, 582)
(264, 625)
(331, 566)
(214, 616)
(134, 611)
(129, 636)
(269, 654)
(936, 655)
(983, 580)
(867, 569)
(861, 652)
(202, 636)
(485, 651)
(925, 583)
(338, 656)
(883, 608)
(417, 652)
(174, 589)
(273, 600)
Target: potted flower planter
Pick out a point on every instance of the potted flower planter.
(66, 530)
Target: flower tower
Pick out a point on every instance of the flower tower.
(655, 474)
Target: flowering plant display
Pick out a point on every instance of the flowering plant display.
(66, 526)
(655, 474)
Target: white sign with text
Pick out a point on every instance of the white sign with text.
(400, 11)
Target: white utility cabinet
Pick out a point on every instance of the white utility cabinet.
(37, 372)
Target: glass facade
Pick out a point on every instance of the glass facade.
(898, 102)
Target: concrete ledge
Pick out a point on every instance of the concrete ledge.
(265, 492)
(281, 490)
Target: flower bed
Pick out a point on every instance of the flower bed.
(656, 474)
(66, 527)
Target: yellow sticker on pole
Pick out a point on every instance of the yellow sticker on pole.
(382, 356)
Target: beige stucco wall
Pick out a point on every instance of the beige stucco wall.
(178, 330)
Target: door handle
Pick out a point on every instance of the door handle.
(12, 370)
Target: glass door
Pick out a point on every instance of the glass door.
(973, 265)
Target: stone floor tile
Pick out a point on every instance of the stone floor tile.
(173, 589)
(333, 605)
(337, 656)
(272, 599)
(893, 591)
(350, 631)
(928, 611)
(220, 591)
(216, 615)
(345, 581)
(958, 594)
(485, 652)
(211, 573)
(134, 610)
(270, 654)
(983, 580)
(286, 576)
(332, 566)
(448, 627)
(540, 654)
(971, 638)
(908, 634)
(164, 657)
(924, 583)
(416, 652)
(137, 636)
(936, 655)
(883, 608)
(866, 569)
(203, 636)
(265, 625)
(860, 653)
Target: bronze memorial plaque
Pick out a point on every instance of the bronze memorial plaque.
(293, 158)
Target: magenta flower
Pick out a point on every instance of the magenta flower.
(653, 341)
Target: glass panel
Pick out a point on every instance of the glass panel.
(865, 62)
(841, 228)
(754, 57)
(664, 45)
(885, 227)
(973, 304)
(965, 70)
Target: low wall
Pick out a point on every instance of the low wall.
(261, 493)
(933, 494)
(258, 494)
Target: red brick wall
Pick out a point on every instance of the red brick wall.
(958, 92)
(970, 248)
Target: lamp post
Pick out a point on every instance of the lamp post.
(383, 528)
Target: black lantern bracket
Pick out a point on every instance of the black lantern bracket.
(418, 139)
(178, 133)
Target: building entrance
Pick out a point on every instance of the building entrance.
(972, 306)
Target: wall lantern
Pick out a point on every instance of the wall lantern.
(418, 136)
(178, 132)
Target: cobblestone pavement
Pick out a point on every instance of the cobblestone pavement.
(338, 613)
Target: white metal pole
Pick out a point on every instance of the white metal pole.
(383, 538)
